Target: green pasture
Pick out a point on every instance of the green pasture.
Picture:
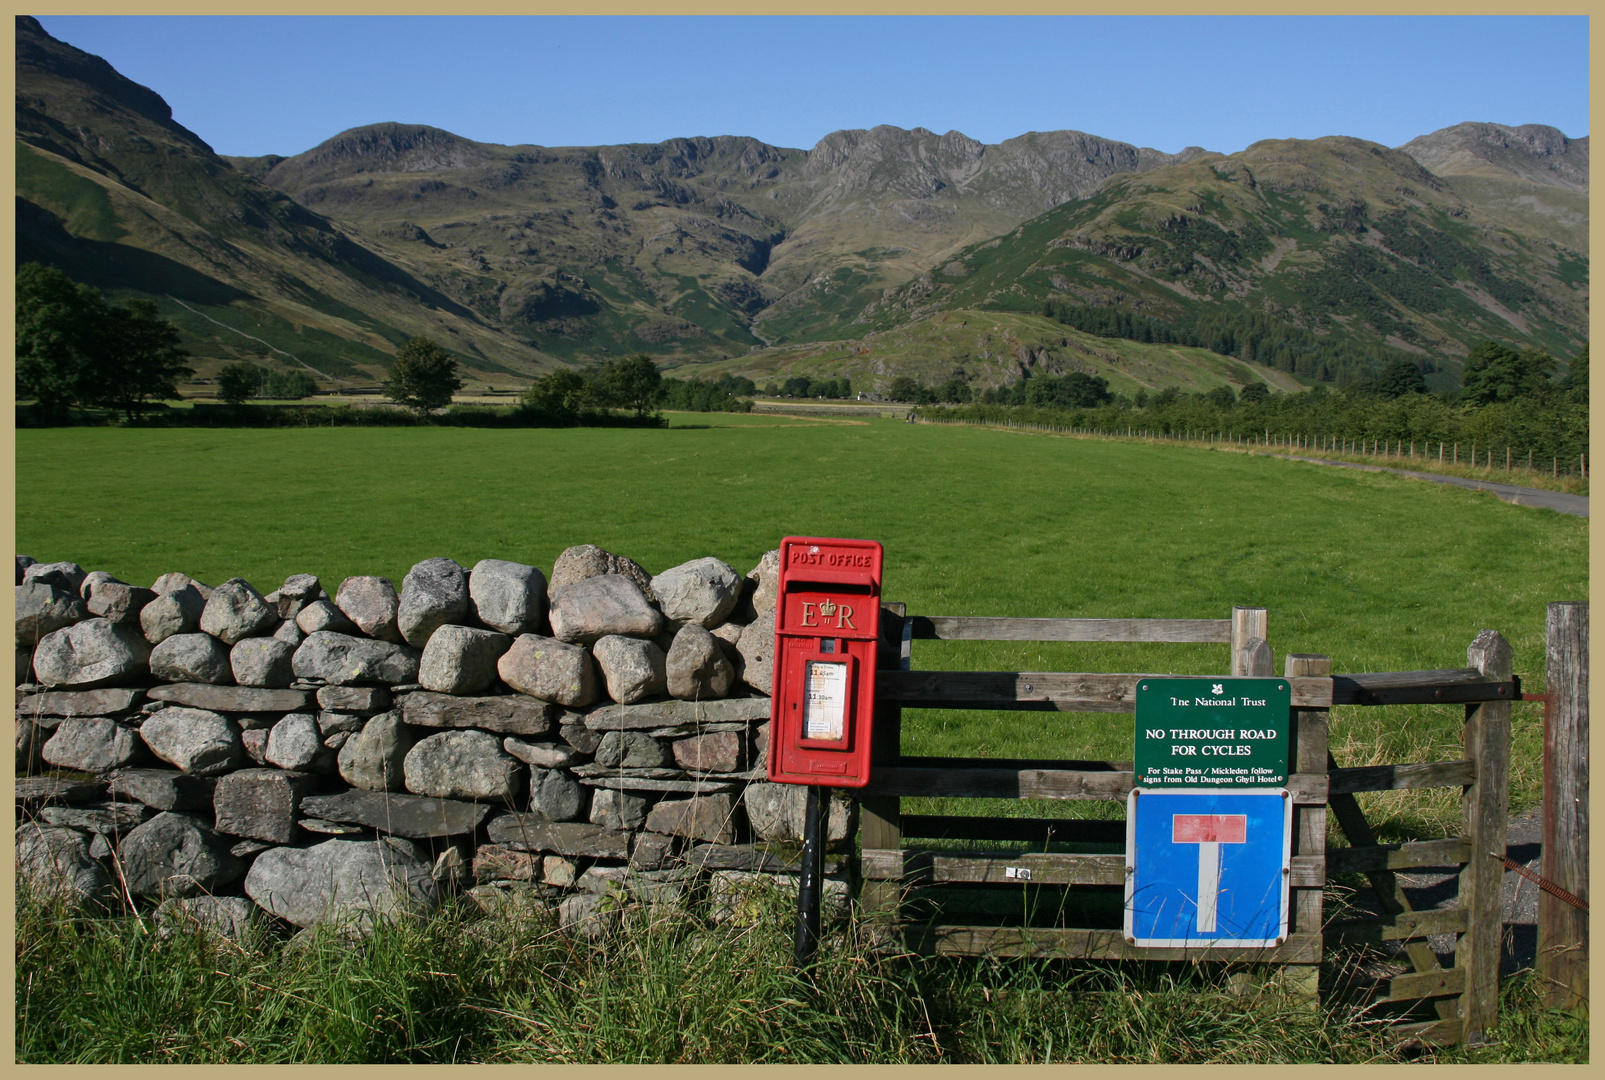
(1379, 572)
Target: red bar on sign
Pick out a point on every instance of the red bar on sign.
(1209, 829)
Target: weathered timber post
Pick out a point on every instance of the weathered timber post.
(880, 817)
(1485, 808)
(1562, 928)
(1248, 624)
(1309, 822)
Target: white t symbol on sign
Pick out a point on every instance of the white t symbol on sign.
(1209, 832)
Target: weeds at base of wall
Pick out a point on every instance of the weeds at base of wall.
(661, 987)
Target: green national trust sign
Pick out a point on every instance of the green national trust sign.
(1212, 733)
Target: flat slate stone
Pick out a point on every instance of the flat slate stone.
(657, 714)
(233, 698)
(679, 731)
(593, 769)
(416, 817)
(164, 789)
(329, 828)
(748, 857)
(40, 790)
(108, 702)
(641, 783)
(505, 714)
(532, 832)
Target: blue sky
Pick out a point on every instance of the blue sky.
(260, 85)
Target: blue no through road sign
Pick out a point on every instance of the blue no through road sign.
(1208, 868)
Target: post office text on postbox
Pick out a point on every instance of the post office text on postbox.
(827, 620)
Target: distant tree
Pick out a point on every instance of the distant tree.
(422, 377)
(59, 334)
(1141, 400)
(293, 384)
(1222, 397)
(903, 388)
(771, 389)
(1576, 382)
(560, 394)
(1253, 393)
(632, 383)
(1496, 372)
(142, 360)
(798, 386)
(239, 381)
(74, 348)
(1398, 379)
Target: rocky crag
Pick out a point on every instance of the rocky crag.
(583, 743)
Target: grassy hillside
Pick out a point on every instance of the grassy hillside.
(992, 348)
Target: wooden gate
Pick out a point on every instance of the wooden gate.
(895, 870)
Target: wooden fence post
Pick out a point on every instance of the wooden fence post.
(1309, 822)
(1485, 807)
(880, 818)
(1249, 623)
(1563, 929)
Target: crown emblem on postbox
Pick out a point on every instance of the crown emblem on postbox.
(827, 622)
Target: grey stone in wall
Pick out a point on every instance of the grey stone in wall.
(290, 634)
(650, 851)
(300, 587)
(702, 591)
(323, 615)
(191, 658)
(413, 816)
(663, 714)
(86, 589)
(701, 817)
(239, 699)
(696, 666)
(236, 611)
(757, 649)
(353, 883)
(164, 789)
(93, 744)
(31, 740)
(462, 765)
(612, 809)
(557, 795)
(578, 736)
(778, 812)
(296, 743)
(23, 562)
(599, 606)
(461, 659)
(228, 917)
(176, 854)
(32, 791)
(372, 604)
(255, 742)
(119, 602)
(55, 861)
(549, 669)
(330, 722)
(89, 654)
(507, 714)
(108, 702)
(44, 609)
(103, 819)
(433, 594)
(632, 750)
(576, 839)
(632, 669)
(507, 596)
(347, 661)
(263, 662)
(67, 576)
(763, 582)
(543, 755)
(173, 582)
(493, 862)
(357, 699)
(719, 751)
(373, 758)
(197, 741)
(261, 803)
(177, 612)
(587, 561)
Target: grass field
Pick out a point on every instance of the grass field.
(1379, 572)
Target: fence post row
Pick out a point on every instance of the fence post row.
(1464, 999)
(1562, 928)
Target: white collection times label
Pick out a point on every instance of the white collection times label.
(825, 700)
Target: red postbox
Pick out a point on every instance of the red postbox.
(827, 620)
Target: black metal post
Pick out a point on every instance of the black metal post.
(813, 868)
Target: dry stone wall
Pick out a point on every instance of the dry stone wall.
(581, 742)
